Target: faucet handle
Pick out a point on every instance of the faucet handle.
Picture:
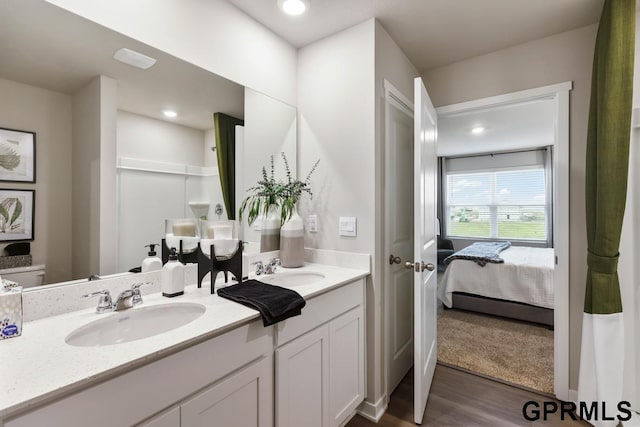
(259, 267)
(104, 303)
(273, 265)
(137, 296)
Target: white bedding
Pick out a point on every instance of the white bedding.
(526, 276)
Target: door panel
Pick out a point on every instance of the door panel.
(425, 247)
(399, 238)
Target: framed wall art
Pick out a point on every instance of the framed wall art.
(17, 208)
(17, 155)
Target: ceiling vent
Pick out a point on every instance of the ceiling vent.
(133, 58)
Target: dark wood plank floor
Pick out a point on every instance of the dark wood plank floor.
(459, 398)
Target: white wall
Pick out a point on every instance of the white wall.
(141, 137)
(94, 187)
(336, 120)
(108, 202)
(49, 115)
(212, 34)
(341, 122)
(146, 199)
(555, 59)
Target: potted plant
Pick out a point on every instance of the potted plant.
(264, 199)
(292, 230)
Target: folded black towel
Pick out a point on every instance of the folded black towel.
(273, 302)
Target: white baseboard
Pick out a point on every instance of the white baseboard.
(373, 411)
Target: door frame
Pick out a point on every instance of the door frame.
(560, 94)
(392, 97)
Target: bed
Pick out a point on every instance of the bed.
(520, 288)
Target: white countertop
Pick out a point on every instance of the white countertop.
(40, 366)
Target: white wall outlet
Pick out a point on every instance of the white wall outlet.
(347, 226)
(312, 223)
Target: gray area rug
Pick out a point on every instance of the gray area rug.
(511, 351)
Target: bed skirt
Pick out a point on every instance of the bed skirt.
(509, 309)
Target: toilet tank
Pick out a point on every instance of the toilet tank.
(27, 277)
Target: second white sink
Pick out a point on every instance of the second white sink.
(135, 324)
(292, 279)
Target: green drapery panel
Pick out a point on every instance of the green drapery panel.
(608, 152)
(225, 128)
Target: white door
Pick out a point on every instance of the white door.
(398, 235)
(425, 248)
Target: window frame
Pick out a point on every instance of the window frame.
(546, 166)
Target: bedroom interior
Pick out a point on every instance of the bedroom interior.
(496, 184)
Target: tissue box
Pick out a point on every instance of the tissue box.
(10, 310)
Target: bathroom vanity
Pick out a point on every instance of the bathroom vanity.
(223, 368)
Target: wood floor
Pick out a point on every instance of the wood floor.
(458, 398)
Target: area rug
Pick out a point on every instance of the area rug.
(515, 352)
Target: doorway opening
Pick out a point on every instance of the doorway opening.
(497, 214)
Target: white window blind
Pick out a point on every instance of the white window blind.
(502, 196)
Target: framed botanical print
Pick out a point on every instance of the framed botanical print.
(17, 155)
(17, 208)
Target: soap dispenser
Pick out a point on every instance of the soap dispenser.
(172, 280)
(151, 262)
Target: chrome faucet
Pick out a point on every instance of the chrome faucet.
(269, 268)
(126, 299)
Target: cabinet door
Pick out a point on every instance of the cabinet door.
(302, 381)
(170, 418)
(243, 399)
(346, 362)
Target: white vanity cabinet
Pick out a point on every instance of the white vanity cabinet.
(308, 370)
(192, 382)
(320, 360)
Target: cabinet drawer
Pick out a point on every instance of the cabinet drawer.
(156, 386)
(320, 310)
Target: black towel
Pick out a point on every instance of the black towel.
(273, 302)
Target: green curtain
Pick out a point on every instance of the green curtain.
(608, 152)
(225, 127)
(602, 350)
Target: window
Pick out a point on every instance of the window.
(498, 203)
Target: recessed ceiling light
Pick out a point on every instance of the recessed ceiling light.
(477, 130)
(133, 58)
(293, 7)
(170, 113)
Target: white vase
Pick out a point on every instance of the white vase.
(292, 241)
(270, 233)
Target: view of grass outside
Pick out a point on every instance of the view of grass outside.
(506, 229)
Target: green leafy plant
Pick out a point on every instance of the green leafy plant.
(270, 192)
(9, 158)
(265, 194)
(10, 211)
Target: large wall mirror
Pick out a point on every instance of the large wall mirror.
(110, 166)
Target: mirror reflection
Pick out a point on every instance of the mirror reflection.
(119, 149)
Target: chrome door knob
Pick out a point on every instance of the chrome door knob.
(419, 266)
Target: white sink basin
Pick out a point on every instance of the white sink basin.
(291, 279)
(134, 324)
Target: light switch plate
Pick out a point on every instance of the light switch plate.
(347, 226)
(257, 224)
(312, 223)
